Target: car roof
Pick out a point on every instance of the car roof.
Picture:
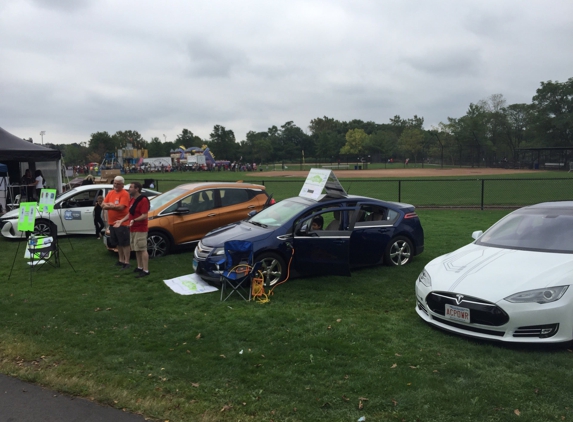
(200, 185)
(103, 186)
(553, 205)
(350, 198)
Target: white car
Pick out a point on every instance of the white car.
(73, 213)
(513, 283)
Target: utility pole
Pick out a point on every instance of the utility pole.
(42, 133)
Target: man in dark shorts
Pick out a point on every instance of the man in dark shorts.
(116, 203)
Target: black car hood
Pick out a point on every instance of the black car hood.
(237, 231)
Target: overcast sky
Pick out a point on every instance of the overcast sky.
(75, 67)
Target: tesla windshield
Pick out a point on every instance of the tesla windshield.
(533, 229)
(278, 214)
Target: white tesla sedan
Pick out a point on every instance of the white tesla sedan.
(73, 213)
(511, 284)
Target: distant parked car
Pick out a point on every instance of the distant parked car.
(73, 213)
(512, 284)
(183, 215)
(356, 231)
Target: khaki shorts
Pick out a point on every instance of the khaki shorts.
(138, 241)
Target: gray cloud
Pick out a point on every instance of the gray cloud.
(72, 68)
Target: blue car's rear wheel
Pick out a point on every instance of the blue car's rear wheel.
(399, 251)
(273, 268)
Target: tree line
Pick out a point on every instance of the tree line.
(490, 132)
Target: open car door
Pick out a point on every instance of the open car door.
(323, 250)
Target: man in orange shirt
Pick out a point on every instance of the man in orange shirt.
(116, 203)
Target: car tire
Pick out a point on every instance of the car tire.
(273, 268)
(399, 251)
(158, 244)
(42, 228)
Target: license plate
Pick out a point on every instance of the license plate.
(194, 265)
(457, 313)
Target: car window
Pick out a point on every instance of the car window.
(196, 202)
(374, 215)
(233, 196)
(83, 199)
(325, 219)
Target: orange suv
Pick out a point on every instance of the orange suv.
(185, 214)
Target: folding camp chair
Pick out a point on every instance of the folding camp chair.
(42, 250)
(14, 205)
(238, 269)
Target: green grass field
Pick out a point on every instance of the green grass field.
(323, 348)
(319, 349)
(508, 191)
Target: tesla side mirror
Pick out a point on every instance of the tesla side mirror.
(252, 213)
(182, 210)
(477, 234)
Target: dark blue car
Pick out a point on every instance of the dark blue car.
(349, 232)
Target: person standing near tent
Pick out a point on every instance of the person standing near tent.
(28, 184)
(116, 203)
(40, 183)
(137, 216)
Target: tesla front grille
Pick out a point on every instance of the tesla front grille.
(481, 311)
(202, 251)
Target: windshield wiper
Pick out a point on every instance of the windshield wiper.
(256, 223)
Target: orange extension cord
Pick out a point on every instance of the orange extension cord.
(258, 288)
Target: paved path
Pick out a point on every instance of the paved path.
(24, 402)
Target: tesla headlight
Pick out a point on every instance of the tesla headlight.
(425, 278)
(546, 295)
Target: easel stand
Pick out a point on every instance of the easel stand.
(27, 234)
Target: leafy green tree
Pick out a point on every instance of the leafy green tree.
(293, 141)
(517, 123)
(74, 154)
(187, 139)
(328, 145)
(553, 105)
(382, 143)
(323, 124)
(412, 142)
(123, 137)
(222, 143)
(356, 139)
(156, 148)
(101, 143)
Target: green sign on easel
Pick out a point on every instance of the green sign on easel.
(27, 216)
(47, 200)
